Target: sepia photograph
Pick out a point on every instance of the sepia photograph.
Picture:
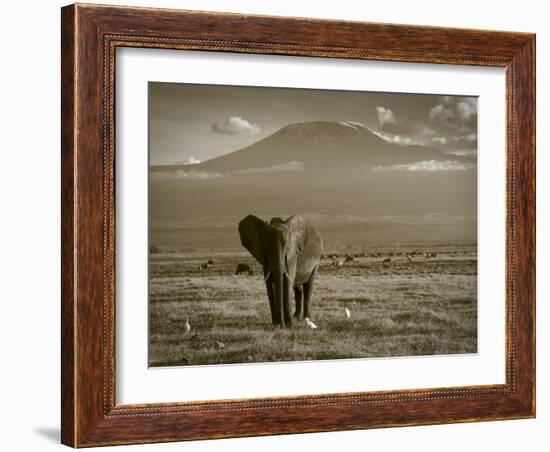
(290, 224)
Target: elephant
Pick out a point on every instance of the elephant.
(289, 252)
(244, 268)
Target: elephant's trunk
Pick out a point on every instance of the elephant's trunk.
(277, 278)
(277, 270)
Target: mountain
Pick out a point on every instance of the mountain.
(318, 145)
(320, 170)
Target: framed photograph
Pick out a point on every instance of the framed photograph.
(282, 225)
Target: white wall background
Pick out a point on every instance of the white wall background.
(29, 188)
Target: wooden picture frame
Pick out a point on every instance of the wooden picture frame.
(90, 35)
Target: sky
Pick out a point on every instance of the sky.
(191, 123)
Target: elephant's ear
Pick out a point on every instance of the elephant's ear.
(251, 229)
(298, 234)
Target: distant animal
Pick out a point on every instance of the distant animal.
(349, 258)
(310, 324)
(386, 261)
(244, 268)
(204, 266)
(347, 312)
(289, 252)
(186, 326)
(409, 257)
(430, 255)
(338, 263)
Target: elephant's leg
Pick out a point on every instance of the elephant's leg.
(308, 290)
(287, 287)
(298, 292)
(272, 304)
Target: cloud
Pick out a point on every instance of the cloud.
(467, 141)
(397, 139)
(385, 116)
(180, 174)
(409, 126)
(441, 113)
(427, 130)
(462, 152)
(427, 165)
(235, 125)
(466, 108)
(455, 113)
(441, 218)
(292, 166)
(455, 120)
(450, 123)
(192, 174)
(189, 161)
(471, 137)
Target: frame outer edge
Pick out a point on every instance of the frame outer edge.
(68, 242)
(534, 226)
(86, 420)
(526, 221)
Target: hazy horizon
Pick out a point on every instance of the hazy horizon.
(364, 167)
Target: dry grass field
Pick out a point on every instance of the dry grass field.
(423, 307)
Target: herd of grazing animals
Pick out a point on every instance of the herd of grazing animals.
(337, 261)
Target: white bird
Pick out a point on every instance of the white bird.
(186, 326)
(348, 313)
(310, 324)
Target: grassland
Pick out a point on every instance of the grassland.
(423, 307)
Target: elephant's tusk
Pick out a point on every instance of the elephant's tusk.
(287, 275)
(289, 279)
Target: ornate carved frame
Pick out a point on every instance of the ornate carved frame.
(90, 36)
